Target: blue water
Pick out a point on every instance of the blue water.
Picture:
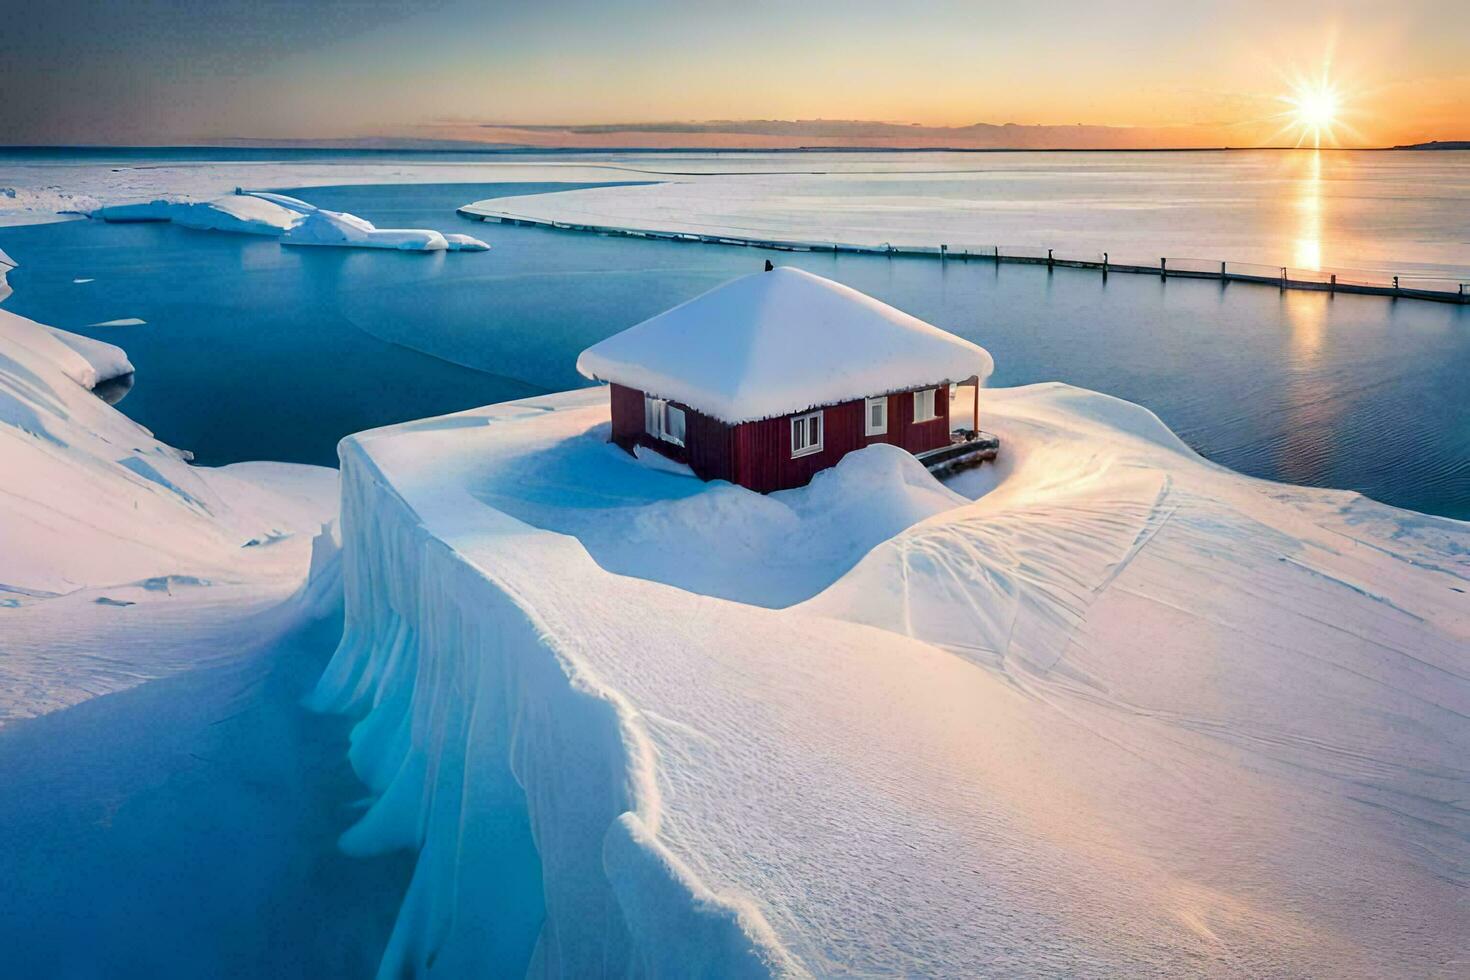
(252, 350)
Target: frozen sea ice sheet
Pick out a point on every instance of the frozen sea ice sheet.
(1125, 713)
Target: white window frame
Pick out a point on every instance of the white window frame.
(800, 422)
(932, 402)
(663, 420)
(869, 428)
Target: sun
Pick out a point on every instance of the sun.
(1315, 107)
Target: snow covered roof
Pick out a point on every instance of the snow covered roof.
(778, 342)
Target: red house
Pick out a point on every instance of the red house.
(772, 377)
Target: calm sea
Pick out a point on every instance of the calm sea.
(256, 351)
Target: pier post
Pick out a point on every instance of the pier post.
(1048, 259)
(1222, 270)
(1334, 283)
(1283, 277)
(1163, 268)
(1105, 265)
(1395, 283)
(943, 250)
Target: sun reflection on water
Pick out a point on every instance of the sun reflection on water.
(1308, 205)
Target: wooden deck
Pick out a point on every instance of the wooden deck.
(968, 449)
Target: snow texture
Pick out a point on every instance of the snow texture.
(120, 560)
(1125, 713)
(773, 343)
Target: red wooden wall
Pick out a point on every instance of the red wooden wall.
(763, 449)
(707, 441)
(757, 455)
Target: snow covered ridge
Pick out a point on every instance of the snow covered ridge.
(103, 529)
(1126, 713)
(778, 342)
(294, 222)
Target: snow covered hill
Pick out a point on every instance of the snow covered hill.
(121, 561)
(1123, 713)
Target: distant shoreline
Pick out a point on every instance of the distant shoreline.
(470, 149)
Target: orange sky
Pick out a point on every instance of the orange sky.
(1202, 73)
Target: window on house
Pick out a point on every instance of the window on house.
(924, 405)
(876, 422)
(662, 420)
(806, 434)
(674, 425)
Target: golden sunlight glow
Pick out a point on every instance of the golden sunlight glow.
(1315, 109)
(1308, 206)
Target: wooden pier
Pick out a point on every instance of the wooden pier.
(1440, 290)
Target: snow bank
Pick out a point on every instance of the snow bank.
(41, 202)
(770, 550)
(107, 361)
(6, 264)
(1127, 713)
(98, 519)
(779, 342)
(509, 771)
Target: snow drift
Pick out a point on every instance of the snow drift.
(109, 532)
(293, 221)
(1125, 713)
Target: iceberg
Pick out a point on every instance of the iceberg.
(323, 227)
(1102, 703)
(293, 221)
(239, 213)
(142, 211)
(458, 242)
